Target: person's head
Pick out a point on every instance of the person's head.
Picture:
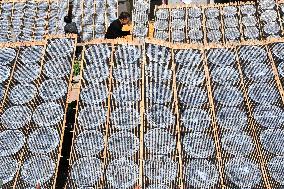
(38, 185)
(124, 18)
(67, 19)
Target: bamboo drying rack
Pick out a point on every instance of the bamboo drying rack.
(223, 40)
(47, 16)
(260, 156)
(24, 153)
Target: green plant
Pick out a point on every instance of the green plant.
(76, 68)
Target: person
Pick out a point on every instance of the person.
(115, 28)
(71, 28)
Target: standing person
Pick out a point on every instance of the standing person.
(71, 28)
(115, 28)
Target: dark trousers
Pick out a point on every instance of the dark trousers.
(78, 48)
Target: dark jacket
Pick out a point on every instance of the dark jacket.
(115, 30)
(71, 28)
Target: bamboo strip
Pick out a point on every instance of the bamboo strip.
(169, 24)
(2, 104)
(47, 17)
(177, 5)
(105, 152)
(275, 72)
(18, 170)
(214, 122)
(113, 41)
(205, 42)
(259, 25)
(19, 44)
(57, 16)
(82, 16)
(34, 25)
(94, 11)
(12, 14)
(50, 36)
(23, 153)
(9, 81)
(142, 110)
(279, 19)
(240, 24)
(187, 39)
(253, 126)
(178, 129)
(1, 2)
(222, 24)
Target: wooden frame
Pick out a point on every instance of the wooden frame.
(25, 153)
(222, 29)
(14, 38)
(259, 156)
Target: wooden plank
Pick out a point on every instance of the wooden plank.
(65, 111)
(76, 113)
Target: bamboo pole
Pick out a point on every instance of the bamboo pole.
(10, 77)
(275, 72)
